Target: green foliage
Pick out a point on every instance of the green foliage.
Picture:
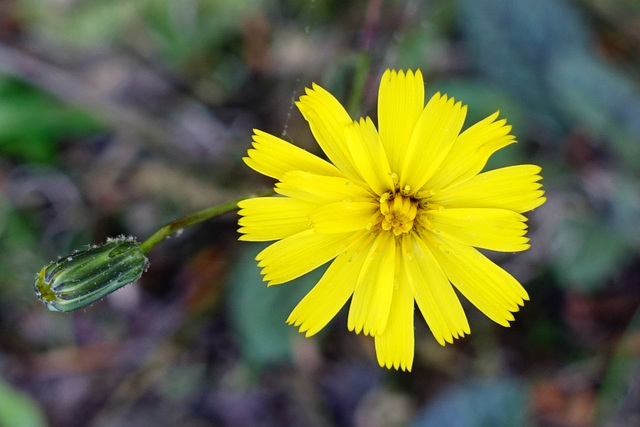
(258, 313)
(197, 28)
(18, 409)
(189, 37)
(585, 254)
(418, 49)
(483, 100)
(32, 123)
(511, 42)
(541, 52)
(82, 24)
(594, 244)
(599, 98)
(182, 31)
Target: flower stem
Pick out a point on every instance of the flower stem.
(192, 219)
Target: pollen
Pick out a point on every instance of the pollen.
(397, 213)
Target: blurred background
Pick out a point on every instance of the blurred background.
(118, 116)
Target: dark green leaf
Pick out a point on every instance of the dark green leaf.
(32, 123)
(258, 313)
(585, 253)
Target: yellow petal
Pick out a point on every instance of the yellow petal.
(331, 293)
(471, 150)
(433, 292)
(368, 156)
(371, 300)
(273, 218)
(400, 103)
(328, 119)
(515, 188)
(271, 156)
(491, 289)
(321, 189)
(495, 229)
(395, 346)
(342, 217)
(434, 134)
(296, 255)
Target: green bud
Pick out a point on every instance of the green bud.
(84, 277)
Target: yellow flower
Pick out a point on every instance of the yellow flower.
(399, 209)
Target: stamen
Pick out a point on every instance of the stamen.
(397, 214)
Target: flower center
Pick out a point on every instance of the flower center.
(397, 213)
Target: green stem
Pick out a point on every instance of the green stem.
(189, 220)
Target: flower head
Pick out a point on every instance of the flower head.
(399, 209)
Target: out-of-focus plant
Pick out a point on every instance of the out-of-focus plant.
(32, 123)
(18, 409)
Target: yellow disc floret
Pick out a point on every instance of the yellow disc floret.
(398, 213)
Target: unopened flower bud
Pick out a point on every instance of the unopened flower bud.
(84, 277)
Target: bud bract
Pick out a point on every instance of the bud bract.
(84, 277)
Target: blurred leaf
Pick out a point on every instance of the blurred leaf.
(198, 30)
(31, 123)
(495, 403)
(81, 24)
(594, 96)
(510, 42)
(483, 100)
(201, 34)
(18, 409)
(541, 51)
(419, 49)
(585, 253)
(592, 247)
(258, 313)
(428, 44)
